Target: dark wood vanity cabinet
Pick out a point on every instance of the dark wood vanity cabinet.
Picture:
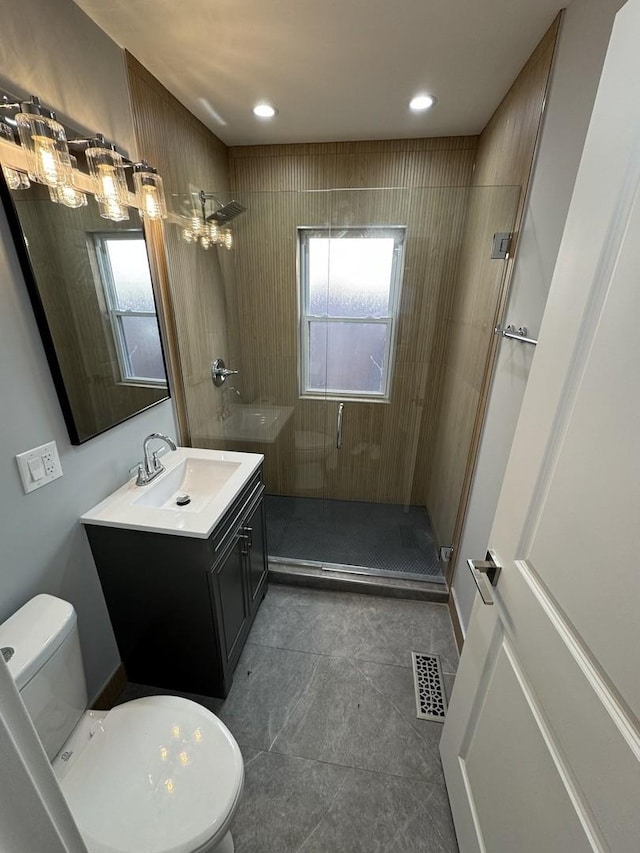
(181, 607)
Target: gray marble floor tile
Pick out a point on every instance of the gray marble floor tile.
(350, 625)
(283, 802)
(267, 685)
(376, 813)
(362, 717)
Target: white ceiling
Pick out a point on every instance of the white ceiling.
(335, 69)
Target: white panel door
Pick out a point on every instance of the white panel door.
(541, 747)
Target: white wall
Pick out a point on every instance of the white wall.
(50, 48)
(580, 55)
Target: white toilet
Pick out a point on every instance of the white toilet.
(155, 775)
(315, 454)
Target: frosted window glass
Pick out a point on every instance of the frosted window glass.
(142, 344)
(130, 271)
(347, 356)
(350, 293)
(350, 276)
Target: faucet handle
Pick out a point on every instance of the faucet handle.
(138, 469)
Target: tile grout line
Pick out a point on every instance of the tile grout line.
(410, 723)
(326, 655)
(340, 657)
(420, 780)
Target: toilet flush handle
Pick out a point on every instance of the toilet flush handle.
(339, 426)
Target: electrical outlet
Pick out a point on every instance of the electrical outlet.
(49, 462)
(39, 466)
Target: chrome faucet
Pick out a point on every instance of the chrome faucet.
(151, 466)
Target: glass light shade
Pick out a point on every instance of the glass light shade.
(187, 235)
(205, 242)
(113, 210)
(45, 140)
(214, 233)
(107, 170)
(16, 180)
(227, 238)
(150, 192)
(69, 196)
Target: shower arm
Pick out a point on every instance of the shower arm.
(204, 198)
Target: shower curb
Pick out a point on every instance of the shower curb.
(293, 575)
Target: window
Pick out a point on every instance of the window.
(126, 281)
(350, 292)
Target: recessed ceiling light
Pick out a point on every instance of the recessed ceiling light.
(421, 102)
(265, 111)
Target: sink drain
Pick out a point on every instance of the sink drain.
(183, 500)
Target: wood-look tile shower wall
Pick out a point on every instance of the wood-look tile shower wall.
(199, 297)
(385, 450)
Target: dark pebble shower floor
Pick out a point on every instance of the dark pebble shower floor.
(386, 538)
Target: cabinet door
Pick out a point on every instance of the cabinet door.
(254, 527)
(233, 604)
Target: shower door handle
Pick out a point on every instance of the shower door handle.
(339, 426)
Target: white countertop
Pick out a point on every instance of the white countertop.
(212, 479)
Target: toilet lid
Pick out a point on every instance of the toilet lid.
(161, 775)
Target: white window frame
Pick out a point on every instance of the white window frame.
(305, 233)
(127, 373)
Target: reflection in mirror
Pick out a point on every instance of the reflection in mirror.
(90, 286)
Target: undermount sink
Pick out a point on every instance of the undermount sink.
(187, 499)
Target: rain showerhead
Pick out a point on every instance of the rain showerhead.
(226, 213)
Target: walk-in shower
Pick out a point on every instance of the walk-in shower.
(340, 311)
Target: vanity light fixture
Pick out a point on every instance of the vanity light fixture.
(420, 103)
(68, 195)
(150, 191)
(264, 110)
(45, 140)
(49, 162)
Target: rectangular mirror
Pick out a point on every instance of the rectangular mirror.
(90, 286)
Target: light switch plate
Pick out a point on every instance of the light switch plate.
(39, 466)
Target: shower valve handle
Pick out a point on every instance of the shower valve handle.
(219, 372)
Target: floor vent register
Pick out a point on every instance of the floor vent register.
(431, 699)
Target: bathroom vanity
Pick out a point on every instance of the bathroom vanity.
(183, 583)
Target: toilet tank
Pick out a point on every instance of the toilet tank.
(41, 646)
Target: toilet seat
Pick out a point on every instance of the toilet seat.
(160, 775)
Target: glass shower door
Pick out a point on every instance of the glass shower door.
(376, 304)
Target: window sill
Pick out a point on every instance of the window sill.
(343, 398)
